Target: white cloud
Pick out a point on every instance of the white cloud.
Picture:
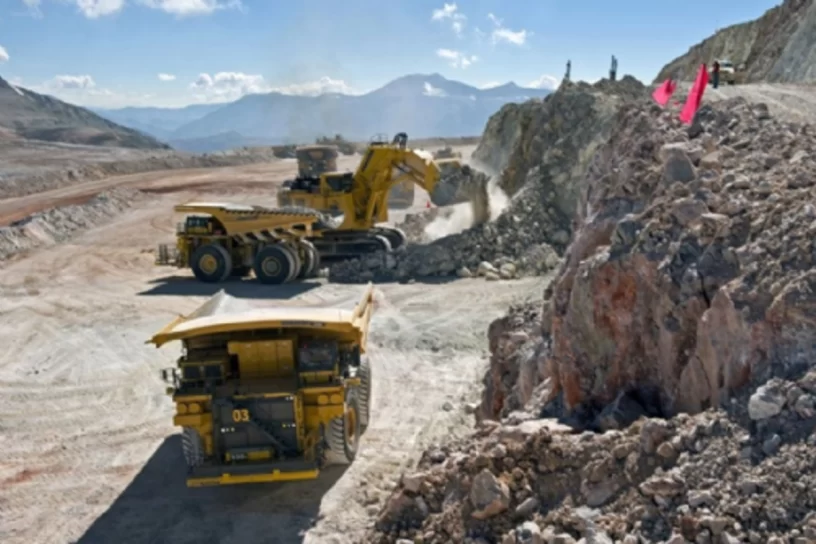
(490, 85)
(166, 77)
(72, 82)
(545, 82)
(93, 9)
(227, 86)
(430, 90)
(503, 34)
(33, 7)
(82, 90)
(450, 12)
(4, 56)
(313, 88)
(191, 7)
(457, 59)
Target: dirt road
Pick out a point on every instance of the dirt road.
(795, 103)
(262, 177)
(90, 453)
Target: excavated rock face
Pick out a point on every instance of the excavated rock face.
(777, 47)
(693, 274)
(689, 277)
(544, 177)
(705, 478)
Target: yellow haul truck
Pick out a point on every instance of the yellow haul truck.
(218, 241)
(269, 394)
(314, 160)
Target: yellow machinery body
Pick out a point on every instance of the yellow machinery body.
(361, 197)
(269, 394)
(314, 160)
(218, 241)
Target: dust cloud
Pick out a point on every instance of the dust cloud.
(459, 217)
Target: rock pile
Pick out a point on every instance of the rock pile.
(688, 288)
(544, 175)
(59, 224)
(704, 478)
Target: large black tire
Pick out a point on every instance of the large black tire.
(294, 260)
(311, 262)
(211, 263)
(344, 432)
(192, 447)
(272, 265)
(364, 372)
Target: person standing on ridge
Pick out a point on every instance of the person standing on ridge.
(569, 67)
(715, 74)
(613, 71)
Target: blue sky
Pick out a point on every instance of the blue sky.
(111, 52)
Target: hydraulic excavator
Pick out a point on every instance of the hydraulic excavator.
(361, 198)
(313, 160)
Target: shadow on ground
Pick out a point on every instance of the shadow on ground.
(248, 288)
(424, 280)
(158, 508)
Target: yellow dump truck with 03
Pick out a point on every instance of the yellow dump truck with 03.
(269, 394)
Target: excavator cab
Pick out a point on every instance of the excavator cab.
(400, 140)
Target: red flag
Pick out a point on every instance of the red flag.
(663, 93)
(695, 96)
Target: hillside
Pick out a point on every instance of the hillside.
(779, 47)
(157, 122)
(421, 105)
(39, 117)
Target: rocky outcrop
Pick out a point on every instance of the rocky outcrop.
(693, 275)
(688, 278)
(544, 178)
(778, 47)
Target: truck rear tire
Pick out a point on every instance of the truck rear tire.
(211, 263)
(344, 432)
(294, 260)
(192, 447)
(272, 265)
(311, 263)
(365, 393)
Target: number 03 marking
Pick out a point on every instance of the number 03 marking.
(240, 416)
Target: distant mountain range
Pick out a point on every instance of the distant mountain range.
(422, 105)
(25, 114)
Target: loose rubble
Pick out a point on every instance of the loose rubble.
(708, 478)
(59, 224)
(665, 389)
(543, 176)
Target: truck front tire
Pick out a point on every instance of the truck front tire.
(211, 263)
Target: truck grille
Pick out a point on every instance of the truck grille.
(252, 428)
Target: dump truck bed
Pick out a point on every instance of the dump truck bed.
(223, 313)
